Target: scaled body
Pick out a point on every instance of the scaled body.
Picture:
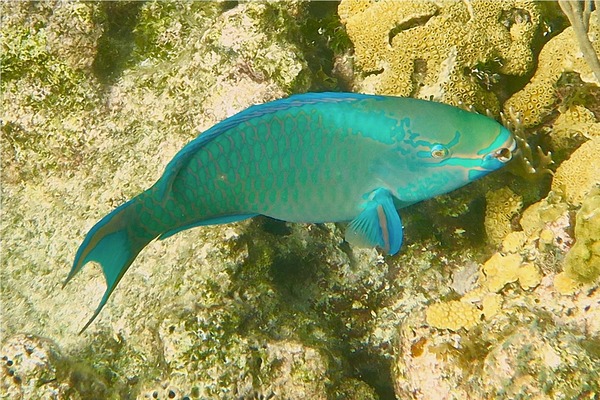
(317, 157)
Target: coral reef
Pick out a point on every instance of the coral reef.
(448, 51)
(574, 124)
(484, 341)
(497, 339)
(98, 97)
(507, 358)
(504, 330)
(560, 55)
(503, 269)
(579, 17)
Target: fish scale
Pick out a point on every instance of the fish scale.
(315, 157)
(271, 171)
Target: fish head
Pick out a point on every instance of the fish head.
(437, 155)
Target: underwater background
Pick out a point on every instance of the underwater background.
(495, 293)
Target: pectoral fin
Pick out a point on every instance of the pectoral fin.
(378, 225)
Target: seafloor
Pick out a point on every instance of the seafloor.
(495, 293)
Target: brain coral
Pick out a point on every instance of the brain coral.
(576, 176)
(430, 49)
(561, 54)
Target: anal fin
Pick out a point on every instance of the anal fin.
(213, 221)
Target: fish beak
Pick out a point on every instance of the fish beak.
(501, 156)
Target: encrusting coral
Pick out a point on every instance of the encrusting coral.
(574, 123)
(538, 215)
(438, 49)
(503, 269)
(500, 317)
(484, 301)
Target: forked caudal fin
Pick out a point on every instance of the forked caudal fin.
(113, 242)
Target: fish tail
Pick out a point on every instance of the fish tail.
(114, 242)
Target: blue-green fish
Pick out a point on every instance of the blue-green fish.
(315, 157)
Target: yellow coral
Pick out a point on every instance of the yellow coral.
(349, 8)
(582, 262)
(529, 276)
(369, 29)
(576, 176)
(501, 206)
(530, 219)
(564, 284)
(501, 269)
(453, 315)
(546, 236)
(537, 215)
(559, 55)
(423, 48)
(491, 304)
(514, 241)
(573, 122)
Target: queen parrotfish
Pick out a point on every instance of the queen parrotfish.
(314, 157)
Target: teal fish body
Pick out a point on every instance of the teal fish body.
(316, 157)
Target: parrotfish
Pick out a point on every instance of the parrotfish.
(314, 157)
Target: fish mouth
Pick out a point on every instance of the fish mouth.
(496, 159)
(505, 152)
(502, 155)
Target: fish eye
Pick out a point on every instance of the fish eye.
(503, 155)
(439, 151)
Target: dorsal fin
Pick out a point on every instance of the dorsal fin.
(181, 159)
